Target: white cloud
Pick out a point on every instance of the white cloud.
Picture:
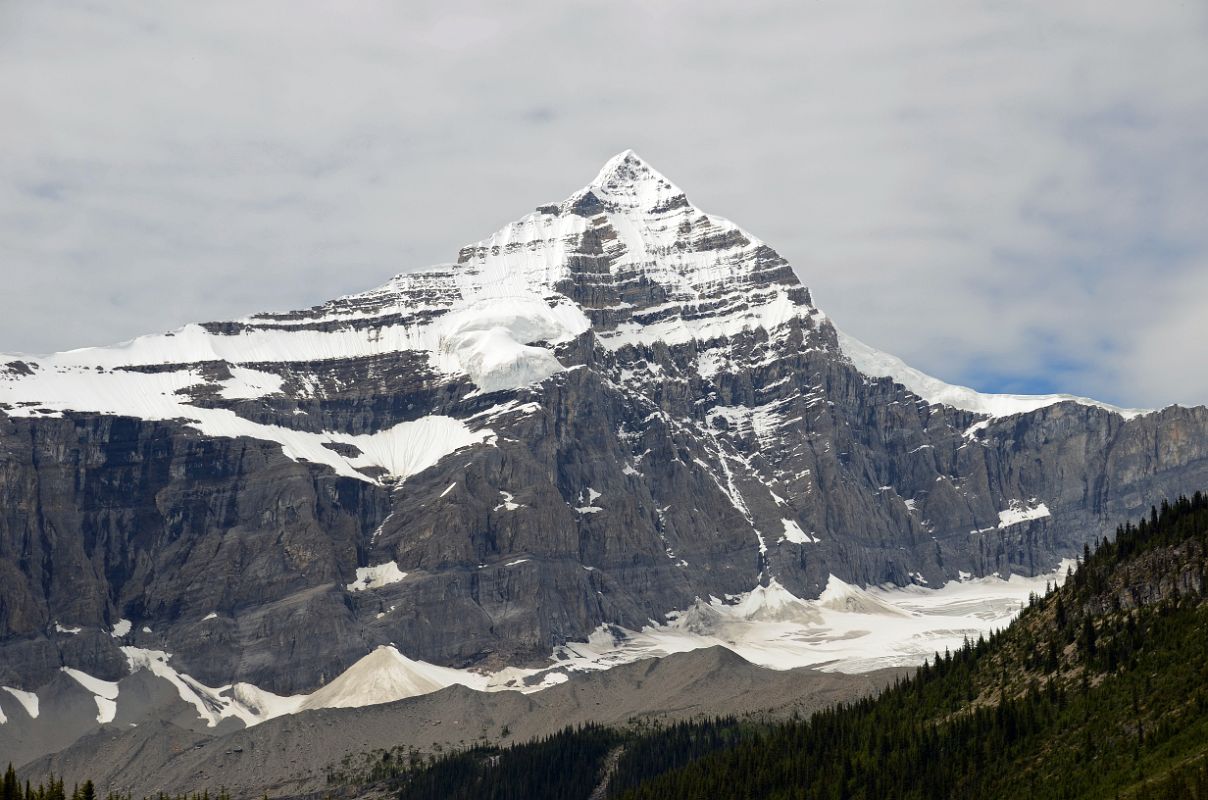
(994, 191)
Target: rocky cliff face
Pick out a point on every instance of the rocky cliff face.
(607, 409)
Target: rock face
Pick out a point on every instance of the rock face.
(609, 408)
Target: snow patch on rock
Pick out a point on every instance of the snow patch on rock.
(1019, 512)
(794, 533)
(104, 692)
(28, 700)
(509, 502)
(376, 577)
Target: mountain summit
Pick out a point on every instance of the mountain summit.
(603, 412)
(627, 180)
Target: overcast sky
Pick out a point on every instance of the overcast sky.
(1011, 195)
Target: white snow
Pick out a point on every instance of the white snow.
(972, 431)
(121, 628)
(28, 700)
(488, 340)
(104, 692)
(553, 679)
(211, 615)
(249, 384)
(106, 689)
(847, 629)
(1019, 511)
(587, 499)
(494, 317)
(241, 700)
(794, 534)
(508, 503)
(411, 447)
(106, 709)
(376, 577)
(66, 629)
(877, 364)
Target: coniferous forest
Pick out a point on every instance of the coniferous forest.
(1098, 690)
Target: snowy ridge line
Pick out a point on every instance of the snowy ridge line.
(877, 364)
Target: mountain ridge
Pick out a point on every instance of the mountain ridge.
(605, 411)
(628, 185)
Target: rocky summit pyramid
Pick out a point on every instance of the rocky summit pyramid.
(610, 408)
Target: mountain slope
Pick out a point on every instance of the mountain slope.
(608, 409)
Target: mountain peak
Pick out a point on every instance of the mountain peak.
(627, 180)
(624, 165)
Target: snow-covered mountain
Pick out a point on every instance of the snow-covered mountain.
(617, 417)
